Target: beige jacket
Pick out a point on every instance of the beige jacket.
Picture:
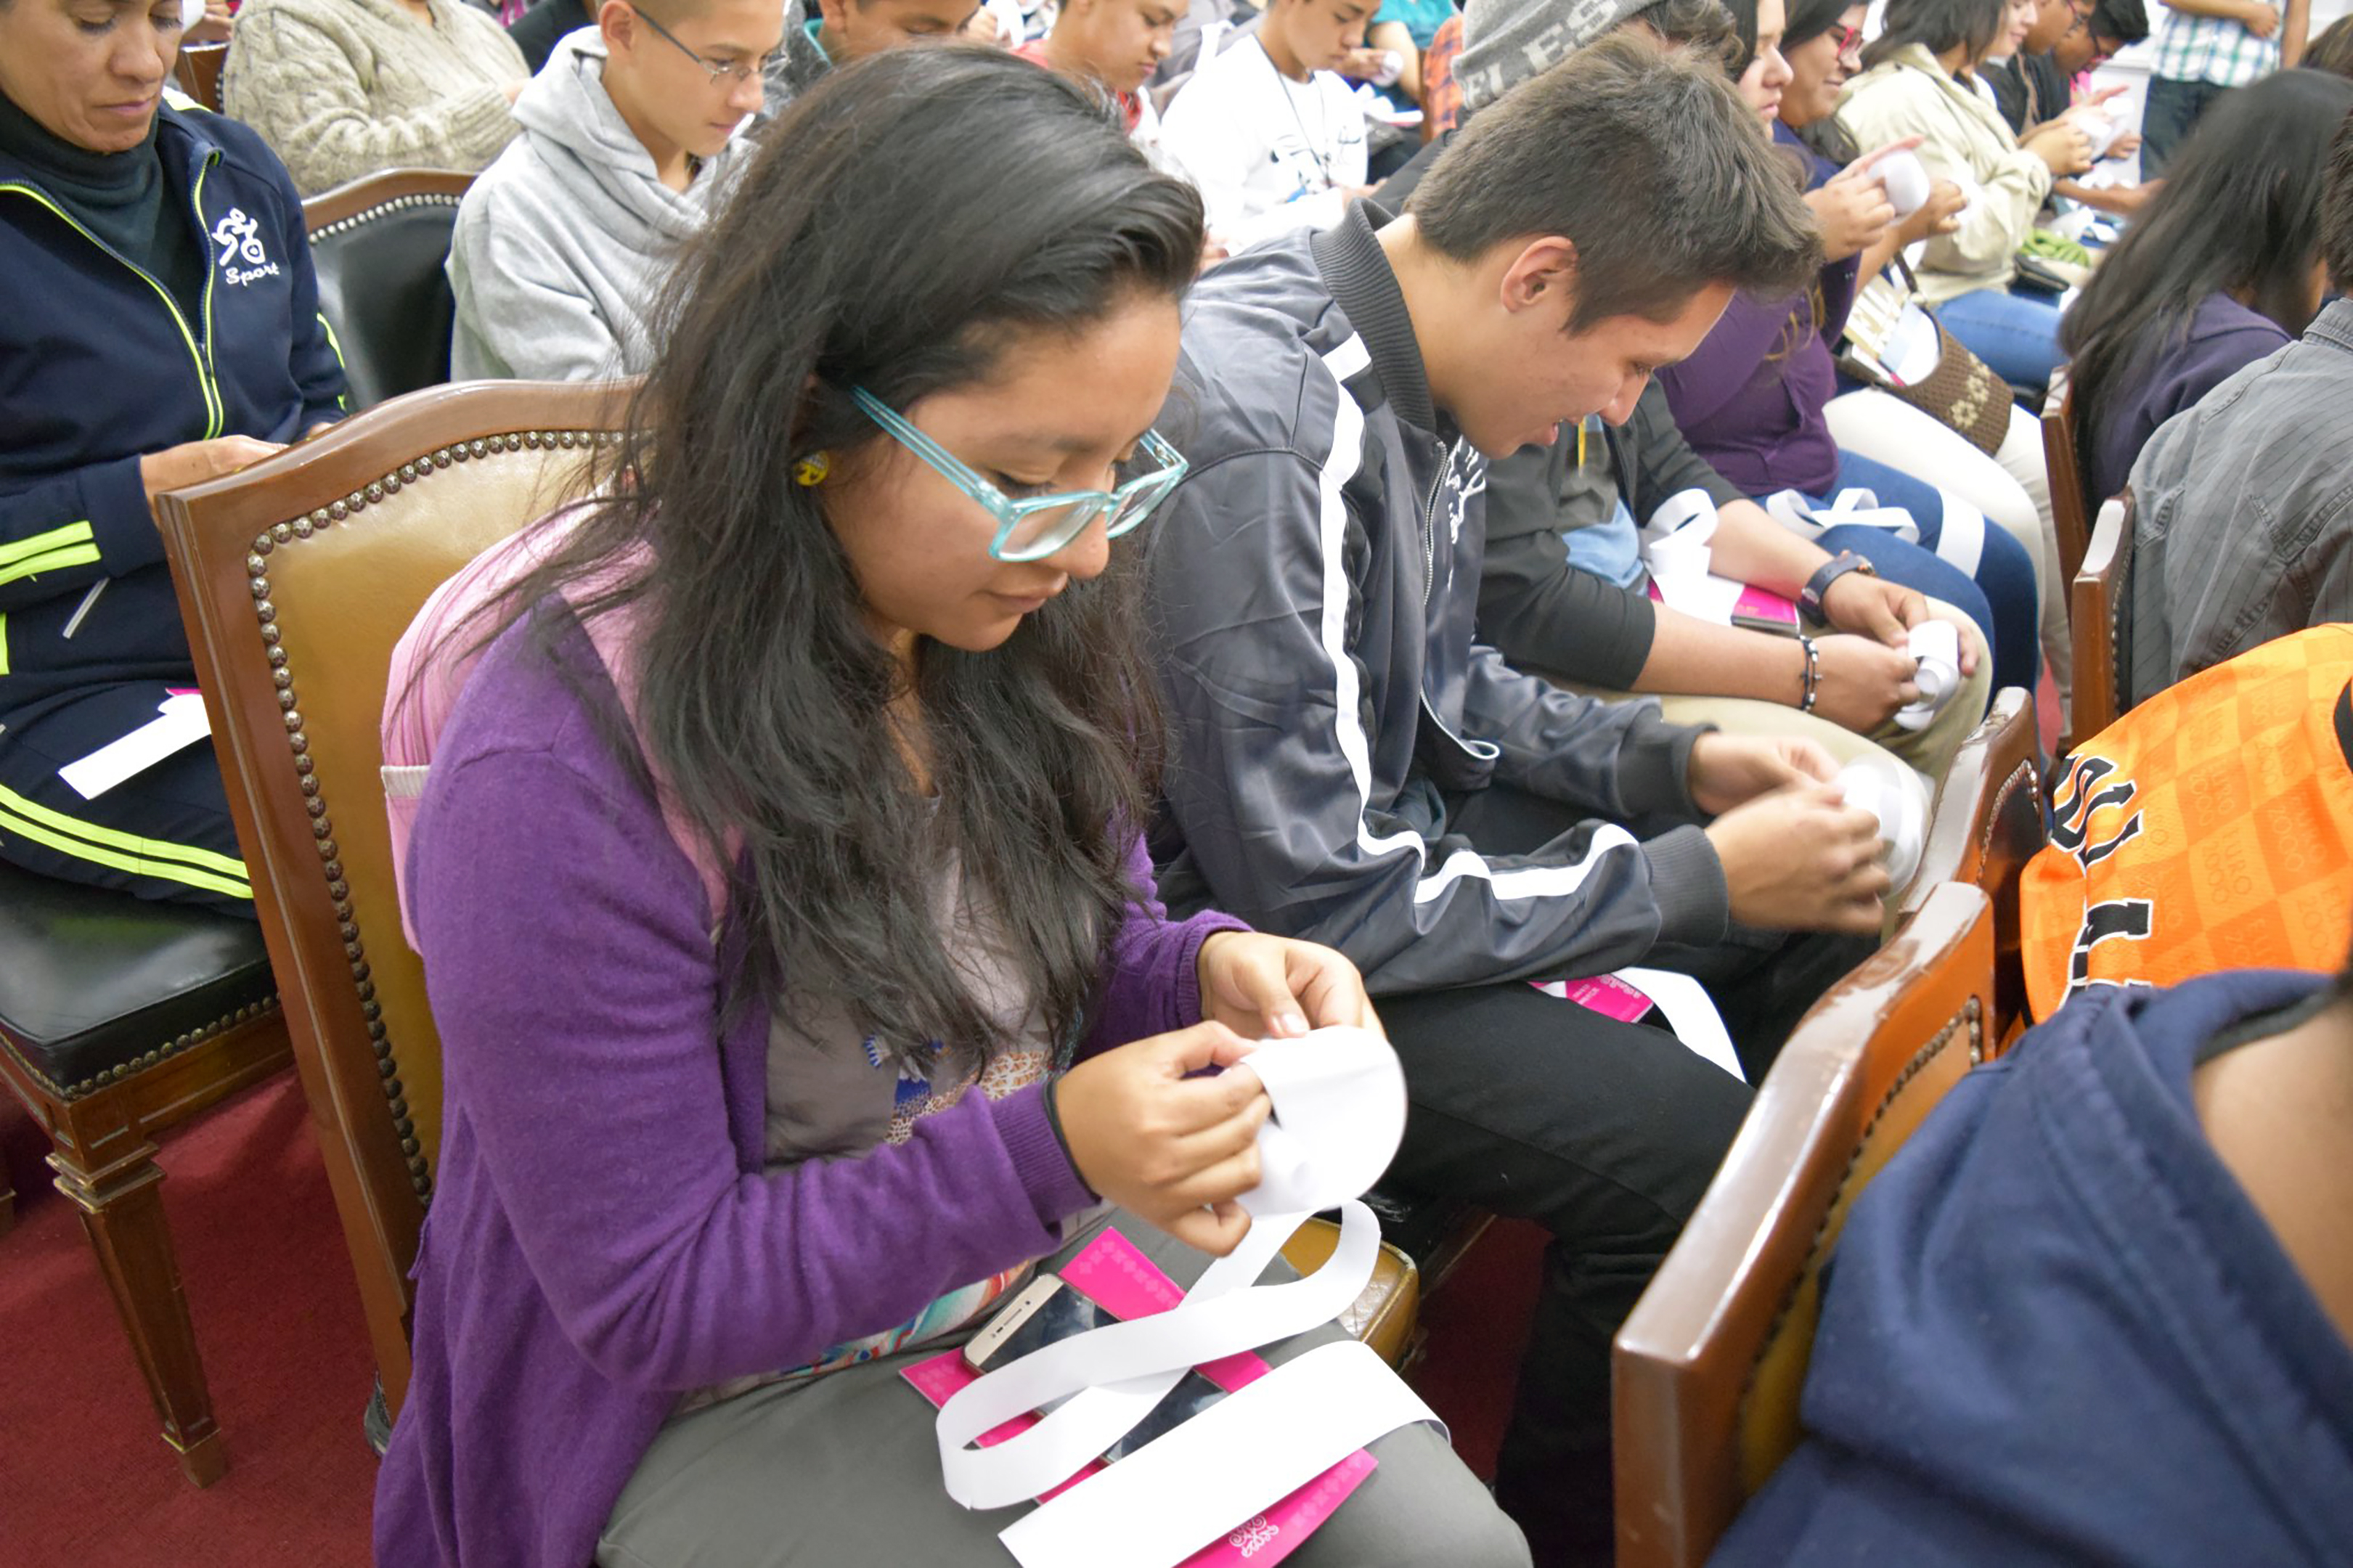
(1967, 142)
(340, 89)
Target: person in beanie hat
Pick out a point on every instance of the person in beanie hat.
(1505, 42)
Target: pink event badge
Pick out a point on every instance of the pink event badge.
(1603, 993)
(1126, 1284)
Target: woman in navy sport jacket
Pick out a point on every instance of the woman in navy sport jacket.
(162, 326)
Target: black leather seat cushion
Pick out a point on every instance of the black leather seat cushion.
(381, 283)
(90, 980)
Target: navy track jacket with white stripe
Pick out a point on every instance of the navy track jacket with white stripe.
(98, 366)
(1315, 585)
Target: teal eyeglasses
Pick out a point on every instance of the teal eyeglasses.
(1037, 526)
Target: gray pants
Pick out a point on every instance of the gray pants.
(844, 1471)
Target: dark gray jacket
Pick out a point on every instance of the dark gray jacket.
(1315, 582)
(1534, 606)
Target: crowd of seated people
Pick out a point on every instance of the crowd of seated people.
(1920, 81)
(1380, 714)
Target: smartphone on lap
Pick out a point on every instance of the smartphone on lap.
(1049, 1309)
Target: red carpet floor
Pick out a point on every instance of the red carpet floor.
(84, 1478)
(85, 1482)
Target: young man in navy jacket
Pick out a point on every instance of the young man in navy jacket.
(164, 329)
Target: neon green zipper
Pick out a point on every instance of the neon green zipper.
(215, 414)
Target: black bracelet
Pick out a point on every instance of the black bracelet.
(1813, 674)
(1054, 1125)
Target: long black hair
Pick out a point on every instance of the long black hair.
(1940, 25)
(866, 246)
(2239, 213)
(1809, 20)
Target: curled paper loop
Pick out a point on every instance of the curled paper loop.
(1937, 648)
(1905, 180)
(1339, 1112)
(1855, 505)
(1895, 796)
(1339, 1115)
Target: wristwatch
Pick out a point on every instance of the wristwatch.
(1817, 586)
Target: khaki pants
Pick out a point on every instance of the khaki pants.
(1929, 752)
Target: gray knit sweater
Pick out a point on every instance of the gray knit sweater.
(340, 89)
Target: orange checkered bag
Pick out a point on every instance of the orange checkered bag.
(2210, 829)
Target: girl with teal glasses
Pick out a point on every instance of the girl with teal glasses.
(799, 975)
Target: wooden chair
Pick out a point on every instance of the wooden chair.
(2071, 506)
(378, 245)
(1986, 824)
(1709, 1366)
(119, 1018)
(198, 72)
(296, 577)
(2101, 611)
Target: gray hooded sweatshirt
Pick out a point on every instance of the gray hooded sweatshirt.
(564, 242)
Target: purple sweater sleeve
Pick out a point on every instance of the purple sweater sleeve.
(1154, 982)
(577, 992)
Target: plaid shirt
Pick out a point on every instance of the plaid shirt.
(2212, 48)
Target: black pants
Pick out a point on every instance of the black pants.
(1605, 1134)
(161, 834)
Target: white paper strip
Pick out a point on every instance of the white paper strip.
(1119, 1372)
(183, 724)
(1689, 1012)
(1339, 1112)
(1899, 798)
(1859, 506)
(1937, 651)
(1235, 1458)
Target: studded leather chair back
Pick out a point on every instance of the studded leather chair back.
(296, 578)
(1709, 1366)
(378, 245)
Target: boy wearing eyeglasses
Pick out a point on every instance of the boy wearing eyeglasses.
(629, 134)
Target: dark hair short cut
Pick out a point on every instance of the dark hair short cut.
(1940, 25)
(1703, 27)
(2336, 211)
(1647, 160)
(2125, 21)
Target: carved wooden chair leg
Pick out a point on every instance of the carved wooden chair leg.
(122, 1211)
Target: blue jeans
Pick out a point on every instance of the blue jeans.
(1996, 563)
(2173, 107)
(2016, 334)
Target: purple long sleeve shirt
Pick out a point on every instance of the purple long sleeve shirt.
(605, 1232)
(2171, 373)
(1750, 400)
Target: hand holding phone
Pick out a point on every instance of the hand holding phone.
(1049, 1309)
